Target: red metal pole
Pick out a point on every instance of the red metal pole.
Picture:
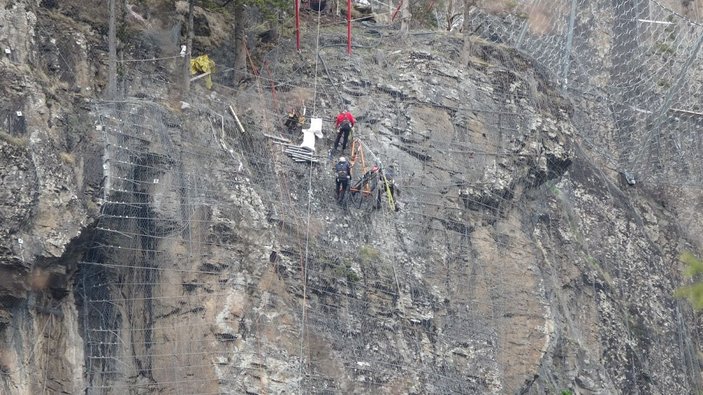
(396, 10)
(429, 7)
(297, 25)
(349, 5)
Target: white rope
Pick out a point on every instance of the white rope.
(317, 51)
(149, 59)
(307, 225)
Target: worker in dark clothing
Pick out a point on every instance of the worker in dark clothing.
(370, 179)
(387, 185)
(344, 123)
(294, 122)
(343, 174)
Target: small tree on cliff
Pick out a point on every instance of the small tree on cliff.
(112, 49)
(270, 10)
(405, 17)
(189, 52)
(466, 50)
(693, 292)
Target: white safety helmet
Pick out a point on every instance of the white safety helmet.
(342, 159)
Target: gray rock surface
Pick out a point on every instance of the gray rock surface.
(146, 248)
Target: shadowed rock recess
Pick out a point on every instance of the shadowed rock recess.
(148, 246)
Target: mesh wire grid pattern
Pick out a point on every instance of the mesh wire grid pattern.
(641, 86)
(144, 236)
(637, 60)
(154, 199)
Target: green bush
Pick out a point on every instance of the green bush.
(344, 270)
(664, 49)
(12, 140)
(693, 292)
(368, 254)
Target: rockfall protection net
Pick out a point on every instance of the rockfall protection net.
(638, 61)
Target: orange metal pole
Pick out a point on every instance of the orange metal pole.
(354, 150)
(367, 190)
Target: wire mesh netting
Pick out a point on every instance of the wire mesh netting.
(158, 228)
(146, 255)
(159, 223)
(637, 60)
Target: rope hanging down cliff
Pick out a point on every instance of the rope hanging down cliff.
(307, 225)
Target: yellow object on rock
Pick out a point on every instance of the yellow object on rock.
(203, 64)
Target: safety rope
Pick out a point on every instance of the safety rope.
(307, 225)
(317, 52)
(389, 195)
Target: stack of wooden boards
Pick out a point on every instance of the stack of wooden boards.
(296, 152)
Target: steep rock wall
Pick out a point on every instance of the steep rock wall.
(48, 175)
(216, 264)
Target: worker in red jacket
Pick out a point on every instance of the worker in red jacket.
(344, 124)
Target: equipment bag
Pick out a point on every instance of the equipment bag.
(342, 170)
(345, 125)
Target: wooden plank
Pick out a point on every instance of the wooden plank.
(291, 149)
(304, 157)
(277, 138)
(297, 148)
(686, 111)
(237, 119)
(197, 77)
(300, 156)
(303, 152)
(657, 22)
(286, 144)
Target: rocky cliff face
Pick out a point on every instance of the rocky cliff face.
(148, 248)
(48, 176)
